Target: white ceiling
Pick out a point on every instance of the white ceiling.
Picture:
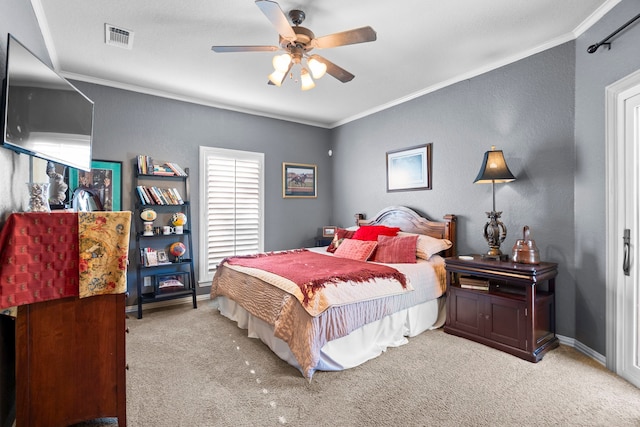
(421, 46)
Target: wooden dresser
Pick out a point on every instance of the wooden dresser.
(62, 334)
(70, 361)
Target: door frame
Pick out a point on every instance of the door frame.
(616, 95)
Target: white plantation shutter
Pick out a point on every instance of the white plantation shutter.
(232, 200)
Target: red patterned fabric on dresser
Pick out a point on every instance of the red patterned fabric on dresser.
(46, 256)
(38, 258)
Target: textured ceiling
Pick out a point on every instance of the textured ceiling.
(421, 45)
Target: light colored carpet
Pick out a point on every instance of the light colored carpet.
(196, 368)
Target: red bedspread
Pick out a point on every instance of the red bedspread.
(312, 271)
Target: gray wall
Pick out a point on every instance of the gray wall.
(525, 109)
(594, 72)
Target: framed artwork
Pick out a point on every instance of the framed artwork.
(329, 231)
(409, 169)
(162, 257)
(299, 181)
(104, 178)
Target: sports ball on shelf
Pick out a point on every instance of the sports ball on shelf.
(148, 215)
(179, 218)
(177, 249)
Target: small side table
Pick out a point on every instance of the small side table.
(323, 241)
(516, 314)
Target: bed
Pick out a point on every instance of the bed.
(344, 323)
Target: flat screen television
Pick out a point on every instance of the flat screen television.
(44, 115)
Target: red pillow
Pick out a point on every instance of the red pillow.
(340, 235)
(359, 250)
(396, 250)
(371, 232)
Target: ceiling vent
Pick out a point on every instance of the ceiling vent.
(120, 37)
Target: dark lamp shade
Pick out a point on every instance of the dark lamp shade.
(494, 169)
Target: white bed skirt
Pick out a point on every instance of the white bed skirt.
(354, 349)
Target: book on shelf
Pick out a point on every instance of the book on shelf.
(163, 170)
(168, 195)
(158, 196)
(150, 197)
(147, 166)
(142, 195)
(469, 282)
(176, 168)
(177, 196)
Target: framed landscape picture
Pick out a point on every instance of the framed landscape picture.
(104, 178)
(328, 231)
(409, 169)
(299, 181)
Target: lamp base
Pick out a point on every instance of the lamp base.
(494, 253)
(494, 233)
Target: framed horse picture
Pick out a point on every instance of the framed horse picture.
(299, 181)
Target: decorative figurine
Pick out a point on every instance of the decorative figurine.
(148, 215)
(57, 186)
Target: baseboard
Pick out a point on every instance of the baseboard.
(168, 303)
(587, 351)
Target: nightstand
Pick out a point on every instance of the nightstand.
(323, 241)
(516, 314)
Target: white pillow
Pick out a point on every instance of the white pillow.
(428, 245)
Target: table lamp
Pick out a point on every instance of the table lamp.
(494, 170)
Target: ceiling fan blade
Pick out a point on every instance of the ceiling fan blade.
(339, 73)
(359, 35)
(226, 49)
(277, 17)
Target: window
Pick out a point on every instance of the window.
(231, 200)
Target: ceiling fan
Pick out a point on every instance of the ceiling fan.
(297, 42)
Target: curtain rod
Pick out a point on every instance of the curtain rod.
(595, 47)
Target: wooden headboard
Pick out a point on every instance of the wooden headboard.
(410, 221)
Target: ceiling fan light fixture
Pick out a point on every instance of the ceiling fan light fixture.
(281, 62)
(277, 77)
(318, 69)
(297, 42)
(306, 81)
